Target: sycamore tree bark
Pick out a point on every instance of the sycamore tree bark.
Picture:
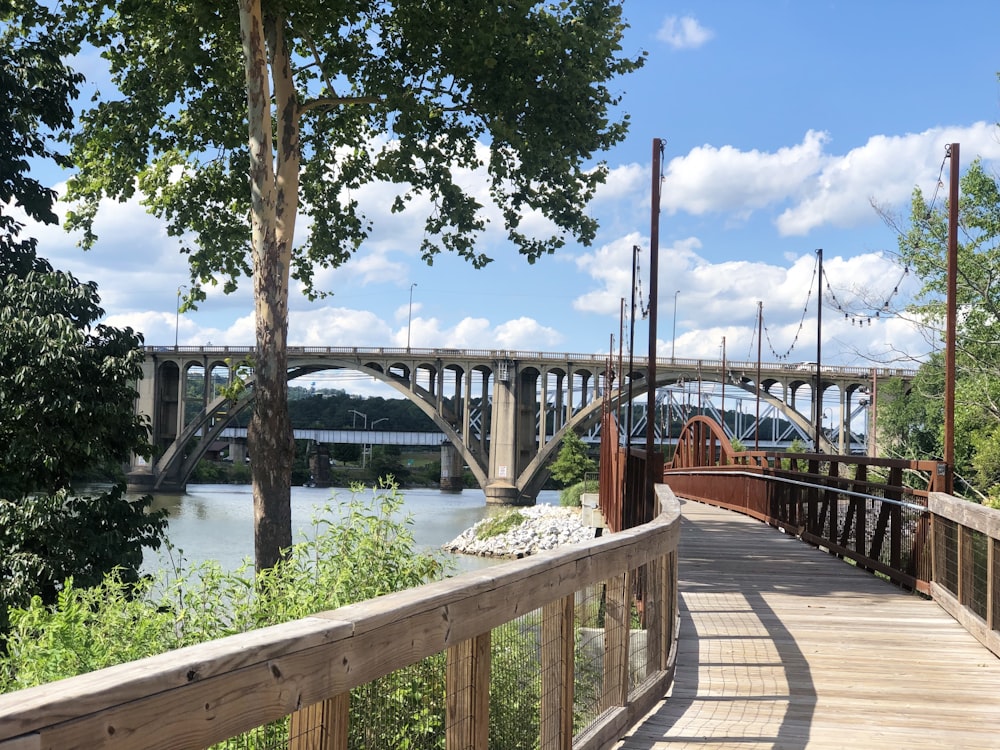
(274, 197)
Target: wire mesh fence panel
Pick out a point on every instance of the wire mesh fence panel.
(974, 570)
(638, 656)
(994, 573)
(404, 709)
(946, 553)
(588, 672)
(273, 736)
(515, 683)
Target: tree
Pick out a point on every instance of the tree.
(335, 96)
(66, 384)
(913, 422)
(572, 464)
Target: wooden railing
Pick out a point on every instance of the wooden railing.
(862, 510)
(853, 506)
(966, 565)
(601, 618)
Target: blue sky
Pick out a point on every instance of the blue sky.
(783, 121)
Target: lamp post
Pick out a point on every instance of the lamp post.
(409, 316)
(359, 414)
(380, 419)
(673, 335)
(177, 315)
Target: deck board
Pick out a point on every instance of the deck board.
(785, 646)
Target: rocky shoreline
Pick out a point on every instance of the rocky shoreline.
(544, 527)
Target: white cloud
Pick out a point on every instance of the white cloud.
(811, 187)
(526, 334)
(724, 179)
(886, 169)
(683, 32)
(337, 326)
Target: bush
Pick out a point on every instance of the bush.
(572, 496)
(355, 551)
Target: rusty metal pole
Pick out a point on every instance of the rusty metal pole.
(818, 395)
(951, 325)
(654, 270)
(760, 326)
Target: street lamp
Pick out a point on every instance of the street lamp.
(673, 337)
(380, 419)
(409, 316)
(177, 315)
(360, 414)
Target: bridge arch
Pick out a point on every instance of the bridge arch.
(529, 399)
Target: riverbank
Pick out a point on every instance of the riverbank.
(543, 527)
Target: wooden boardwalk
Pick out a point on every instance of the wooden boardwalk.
(784, 646)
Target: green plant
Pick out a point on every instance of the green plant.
(572, 464)
(572, 497)
(500, 524)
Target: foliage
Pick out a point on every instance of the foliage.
(499, 525)
(355, 551)
(738, 445)
(572, 496)
(334, 97)
(572, 464)
(911, 423)
(36, 92)
(66, 396)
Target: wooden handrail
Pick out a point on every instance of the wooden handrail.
(195, 696)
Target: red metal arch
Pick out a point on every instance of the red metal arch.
(702, 443)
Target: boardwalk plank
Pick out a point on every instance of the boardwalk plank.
(784, 646)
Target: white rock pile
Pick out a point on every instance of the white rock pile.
(545, 527)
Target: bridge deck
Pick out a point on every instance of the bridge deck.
(784, 646)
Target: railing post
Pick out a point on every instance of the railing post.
(467, 691)
(321, 726)
(558, 644)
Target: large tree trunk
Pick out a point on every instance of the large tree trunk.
(269, 436)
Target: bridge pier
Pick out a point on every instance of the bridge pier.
(451, 468)
(319, 465)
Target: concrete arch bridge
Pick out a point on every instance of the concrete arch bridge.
(503, 412)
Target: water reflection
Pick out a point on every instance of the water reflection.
(215, 522)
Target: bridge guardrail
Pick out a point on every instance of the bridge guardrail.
(601, 619)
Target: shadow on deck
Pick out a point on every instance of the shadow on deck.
(785, 646)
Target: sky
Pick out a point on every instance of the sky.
(783, 122)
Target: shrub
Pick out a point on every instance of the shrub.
(572, 496)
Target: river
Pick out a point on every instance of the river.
(215, 521)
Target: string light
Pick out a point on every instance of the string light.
(802, 320)
(860, 319)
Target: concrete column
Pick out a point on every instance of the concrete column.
(543, 410)
(842, 443)
(557, 405)
(569, 393)
(319, 464)
(467, 407)
(238, 452)
(503, 444)
(181, 404)
(439, 402)
(484, 413)
(140, 471)
(451, 468)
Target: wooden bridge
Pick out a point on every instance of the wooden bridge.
(702, 628)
